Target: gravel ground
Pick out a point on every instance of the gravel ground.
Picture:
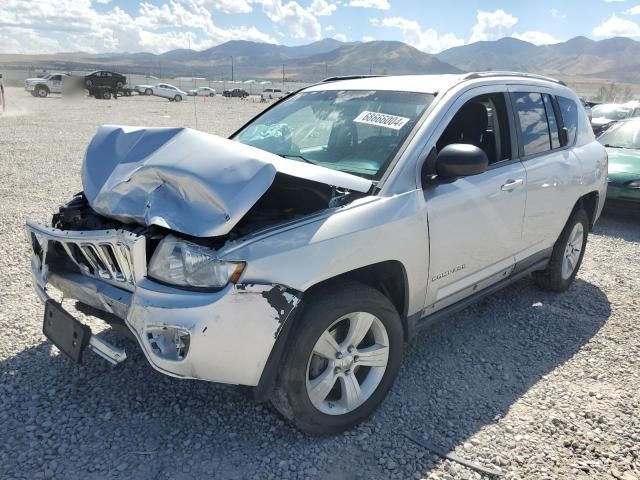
(531, 383)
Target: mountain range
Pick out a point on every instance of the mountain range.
(614, 59)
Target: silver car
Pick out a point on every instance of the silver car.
(300, 256)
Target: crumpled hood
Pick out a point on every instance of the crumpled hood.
(185, 180)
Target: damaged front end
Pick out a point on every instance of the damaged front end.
(139, 246)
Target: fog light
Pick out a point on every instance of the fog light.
(169, 343)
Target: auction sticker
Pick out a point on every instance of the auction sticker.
(381, 120)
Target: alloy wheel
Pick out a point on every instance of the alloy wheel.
(347, 363)
(572, 251)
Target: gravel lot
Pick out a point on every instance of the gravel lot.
(534, 384)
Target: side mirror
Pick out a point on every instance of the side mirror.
(461, 160)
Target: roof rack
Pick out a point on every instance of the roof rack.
(471, 76)
(348, 77)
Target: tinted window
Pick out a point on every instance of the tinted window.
(553, 123)
(569, 112)
(534, 129)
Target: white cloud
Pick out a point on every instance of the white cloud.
(103, 2)
(329, 28)
(341, 37)
(379, 4)
(615, 26)
(74, 25)
(367, 38)
(633, 10)
(555, 13)
(427, 40)
(491, 25)
(322, 8)
(229, 6)
(537, 38)
(613, 1)
(292, 18)
(374, 21)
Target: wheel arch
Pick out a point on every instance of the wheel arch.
(43, 86)
(589, 203)
(388, 277)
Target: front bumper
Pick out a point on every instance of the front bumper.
(224, 336)
(29, 87)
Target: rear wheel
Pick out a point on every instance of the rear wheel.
(567, 255)
(343, 358)
(178, 98)
(148, 91)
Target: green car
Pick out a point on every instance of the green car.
(622, 142)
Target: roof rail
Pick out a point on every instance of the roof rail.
(348, 77)
(473, 75)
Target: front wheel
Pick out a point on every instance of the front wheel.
(566, 256)
(42, 92)
(344, 355)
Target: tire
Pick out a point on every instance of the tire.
(178, 98)
(42, 92)
(212, 95)
(119, 84)
(105, 95)
(88, 83)
(565, 257)
(171, 99)
(148, 91)
(333, 312)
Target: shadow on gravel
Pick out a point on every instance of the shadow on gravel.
(618, 224)
(65, 421)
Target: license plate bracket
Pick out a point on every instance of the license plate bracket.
(65, 332)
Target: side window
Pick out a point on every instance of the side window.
(483, 122)
(553, 122)
(569, 113)
(534, 129)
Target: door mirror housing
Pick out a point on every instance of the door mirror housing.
(461, 160)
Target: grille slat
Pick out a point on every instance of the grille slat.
(114, 256)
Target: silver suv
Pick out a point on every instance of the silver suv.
(300, 256)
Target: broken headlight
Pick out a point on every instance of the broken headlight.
(188, 264)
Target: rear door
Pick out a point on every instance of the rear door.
(475, 223)
(55, 84)
(550, 168)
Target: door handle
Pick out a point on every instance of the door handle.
(511, 185)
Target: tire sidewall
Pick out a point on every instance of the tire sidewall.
(558, 255)
(316, 317)
(178, 98)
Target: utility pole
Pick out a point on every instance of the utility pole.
(232, 77)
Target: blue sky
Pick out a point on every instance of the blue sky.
(48, 26)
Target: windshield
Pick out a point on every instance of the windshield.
(622, 135)
(611, 112)
(352, 131)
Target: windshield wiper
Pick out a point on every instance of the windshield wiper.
(297, 157)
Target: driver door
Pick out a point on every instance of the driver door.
(475, 223)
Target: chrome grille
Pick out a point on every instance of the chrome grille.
(115, 256)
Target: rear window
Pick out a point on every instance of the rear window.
(534, 129)
(569, 112)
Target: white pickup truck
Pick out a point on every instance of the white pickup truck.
(43, 86)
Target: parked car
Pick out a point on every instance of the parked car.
(606, 114)
(104, 78)
(622, 142)
(236, 92)
(170, 92)
(3, 104)
(271, 93)
(144, 89)
(43, 86)
(203, 92)
(299, 256)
